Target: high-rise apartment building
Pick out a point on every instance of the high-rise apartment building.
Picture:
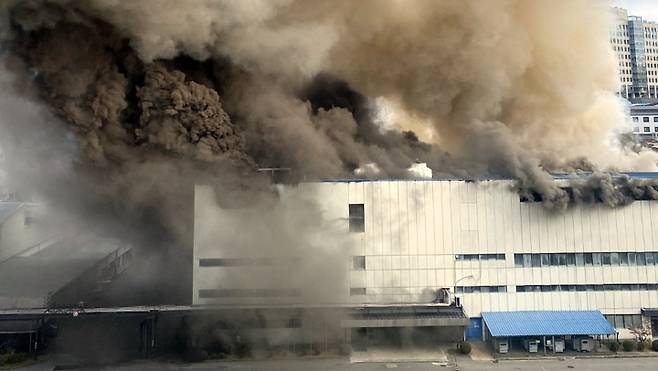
(635, 42)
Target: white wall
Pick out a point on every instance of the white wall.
(414, 229)
(16, 236)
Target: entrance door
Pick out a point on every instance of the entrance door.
(474, 330)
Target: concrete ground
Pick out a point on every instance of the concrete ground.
(462, 364)
(396, 355)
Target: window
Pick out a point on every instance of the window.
(580, 260)
(479, 289)
(359, 263)
(632, 258)
(28, 219)
(636, 320)
(636, 129)
(623, 258)
(545, 260)
(619, 321)
(645, 119)
(354, 291)
(589, 261)
(357, 218)
(247, 293)
(241, 262)
(647, 129)
(641, 260)
(649, 258)
(562, 259)
(596, 258)
(481, 257)
(518, 260)
(655, 119)
(527, 260)
(635, 119)
(536, 260)
(571, 259)
(555, 260)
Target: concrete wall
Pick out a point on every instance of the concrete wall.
(415, 229)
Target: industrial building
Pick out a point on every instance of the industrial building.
(409, 243)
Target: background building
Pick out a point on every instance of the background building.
(635, 42)
(644, 121)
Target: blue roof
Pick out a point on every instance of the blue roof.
(547, 323)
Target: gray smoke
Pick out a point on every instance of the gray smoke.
(211, 91)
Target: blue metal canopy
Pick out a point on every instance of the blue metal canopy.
(547, 323)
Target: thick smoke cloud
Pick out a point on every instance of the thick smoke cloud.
(161, 94)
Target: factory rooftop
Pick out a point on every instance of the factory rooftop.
(30, 278)
(556, 176)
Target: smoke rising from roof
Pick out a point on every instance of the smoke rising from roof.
(160, 94)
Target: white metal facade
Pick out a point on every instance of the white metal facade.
(416, 230)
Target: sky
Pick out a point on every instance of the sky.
(647, 9)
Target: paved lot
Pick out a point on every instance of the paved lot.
(626, 364)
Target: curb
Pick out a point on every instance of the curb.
(564, 358)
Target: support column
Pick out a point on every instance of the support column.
(324, 324)
(553, 344)
(154, 321)
(545, 345)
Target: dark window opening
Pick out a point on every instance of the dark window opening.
(248, 293)
(354, 291)
(359, 263)
(357, 218)
(245, 262)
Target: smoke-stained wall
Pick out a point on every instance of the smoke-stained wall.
(290, 250)
(419, 237)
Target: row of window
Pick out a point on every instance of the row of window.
(245, 262)
(478, 257)
(479, 289)
(624, 320)
(644, 119)
(582, 288)
(595, 259)
(647, 129)
(248, 293)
